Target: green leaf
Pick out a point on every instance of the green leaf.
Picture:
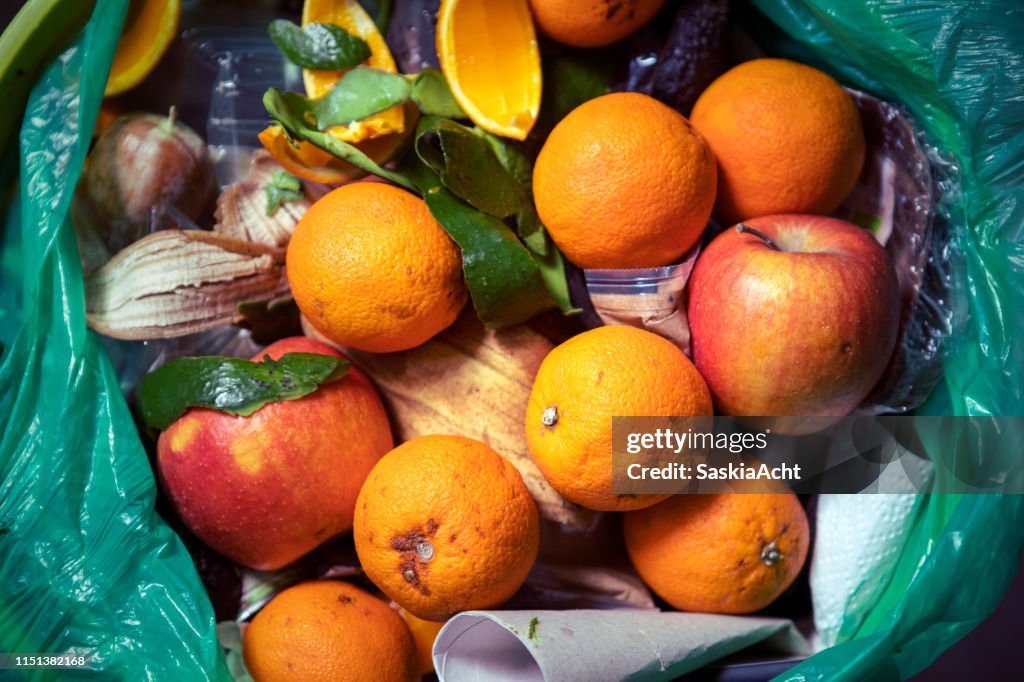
(503, 280)
(512, 157)
(432, 95)
(531, 230)
(318, 46)
(231, 385)
(528, 225)
(467, 165)
(570, 79)
(282, 187)
(505, 283)
(296, 126)
(359, 94)
(268, 321)
(531, 629)
(552, 269)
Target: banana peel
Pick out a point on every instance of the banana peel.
(177, 282)
(36, 35)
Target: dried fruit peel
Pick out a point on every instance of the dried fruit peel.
(488, 52)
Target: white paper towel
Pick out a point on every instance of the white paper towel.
(858, 540)
(596, 645)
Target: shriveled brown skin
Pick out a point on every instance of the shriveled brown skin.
(141, 161)
(266, 489)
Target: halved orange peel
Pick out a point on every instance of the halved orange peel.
(149, 28)
(349, 15)
(488, 53)
(309, 162)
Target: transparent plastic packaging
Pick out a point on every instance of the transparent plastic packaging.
(247, 64)
(651, 298)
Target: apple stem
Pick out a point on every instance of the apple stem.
(741, 228)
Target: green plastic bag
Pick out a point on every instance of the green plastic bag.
(86, 564)
(948, 63)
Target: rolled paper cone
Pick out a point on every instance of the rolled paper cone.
(597, 646)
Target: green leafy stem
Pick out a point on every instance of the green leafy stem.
(475, 184)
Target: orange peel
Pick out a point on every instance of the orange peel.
(307, 161)
(488, 53)
(148, 31)
(349, 15)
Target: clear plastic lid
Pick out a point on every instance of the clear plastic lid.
(247, 63)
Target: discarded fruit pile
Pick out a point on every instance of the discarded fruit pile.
(412, 245)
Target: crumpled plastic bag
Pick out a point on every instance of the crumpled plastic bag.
(86, 565)
(947, 64)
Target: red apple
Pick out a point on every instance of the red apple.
(793, 315)
(265, 489)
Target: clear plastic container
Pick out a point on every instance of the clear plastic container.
(246, 63)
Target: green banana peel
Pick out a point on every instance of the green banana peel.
(37, 34)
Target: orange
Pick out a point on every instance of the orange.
(149, 28)
(110, 111)
(349, 15)
(424, 632)
(488, 52)
(787, 138)
(725, 553)
(624, 181)
(592, 23)
(444, 524)
(582, 384)
(370, 268)
(329, 631)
